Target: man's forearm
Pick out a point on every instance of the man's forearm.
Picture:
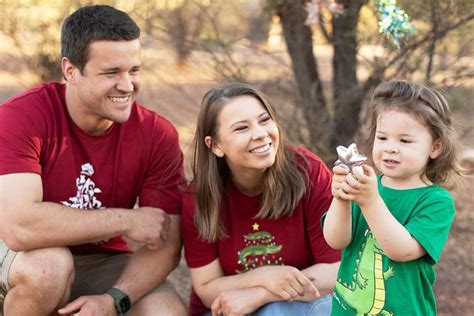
(46, 224)
(147, 268)
(28, 223)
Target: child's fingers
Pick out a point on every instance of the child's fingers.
(369, 173)
(353, 182)
(349, 186)
(340, 170)
(345, 196)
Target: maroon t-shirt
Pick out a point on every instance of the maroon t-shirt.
(294, 241)
(140, 158)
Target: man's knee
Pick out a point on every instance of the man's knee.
(48, 269)
(160, 303)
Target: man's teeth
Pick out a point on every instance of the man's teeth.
(119, 99)
(261, 149)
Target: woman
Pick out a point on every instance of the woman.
(251, 220)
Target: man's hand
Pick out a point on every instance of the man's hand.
(287, 282)
(92, 305)
(149, 226)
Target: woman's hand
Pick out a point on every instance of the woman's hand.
(238, 302)
(286, 282)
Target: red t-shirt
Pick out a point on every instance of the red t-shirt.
(140, 158)
(294, 241)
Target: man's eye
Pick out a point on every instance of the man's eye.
(406, 141)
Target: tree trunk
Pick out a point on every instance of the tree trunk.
(346, 93)
(300, 48)
(432, 47)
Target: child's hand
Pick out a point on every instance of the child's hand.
(363, 189)
(338, 179)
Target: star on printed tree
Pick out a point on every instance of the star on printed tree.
(255, 226)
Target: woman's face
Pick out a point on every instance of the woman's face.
(247, 136)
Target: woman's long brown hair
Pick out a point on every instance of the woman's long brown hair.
(284, 182)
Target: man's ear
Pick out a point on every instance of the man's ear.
(69, 70)
(436, 148)
(216, 150)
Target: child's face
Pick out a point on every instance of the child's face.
(248, 136)
(402, 148)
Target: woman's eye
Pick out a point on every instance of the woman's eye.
(241, 128)
(265, 119)
(381, 137)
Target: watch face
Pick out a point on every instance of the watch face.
(125, 304)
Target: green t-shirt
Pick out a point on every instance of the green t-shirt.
(369, 282)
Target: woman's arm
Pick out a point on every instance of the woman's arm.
(323, 276)
(247, 300)
(285, 282)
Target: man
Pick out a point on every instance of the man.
(74, 159)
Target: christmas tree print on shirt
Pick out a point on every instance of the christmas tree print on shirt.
(260, 250)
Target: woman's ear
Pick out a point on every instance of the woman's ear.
(436, 148)
(213, 147)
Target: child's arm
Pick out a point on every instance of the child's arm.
(338, 223)
(396, 242)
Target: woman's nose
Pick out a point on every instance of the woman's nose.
(259, 133)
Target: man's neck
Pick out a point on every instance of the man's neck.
(87, 121)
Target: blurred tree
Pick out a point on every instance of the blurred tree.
(334, 120)
(33, 28)
(180, 22)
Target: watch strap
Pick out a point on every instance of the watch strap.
(122, 302)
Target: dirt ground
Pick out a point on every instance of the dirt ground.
(456, 268)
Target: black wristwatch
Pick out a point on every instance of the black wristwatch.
(121, 301)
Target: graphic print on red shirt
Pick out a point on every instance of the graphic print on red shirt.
(136, 160)
(260, 250)
(298, 238)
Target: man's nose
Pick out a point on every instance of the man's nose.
(125, 83)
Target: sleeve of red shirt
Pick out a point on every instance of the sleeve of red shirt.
(164, 178)
(197, 252)
(20, 140)
(317, 201)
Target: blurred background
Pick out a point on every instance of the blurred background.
(317, 76)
